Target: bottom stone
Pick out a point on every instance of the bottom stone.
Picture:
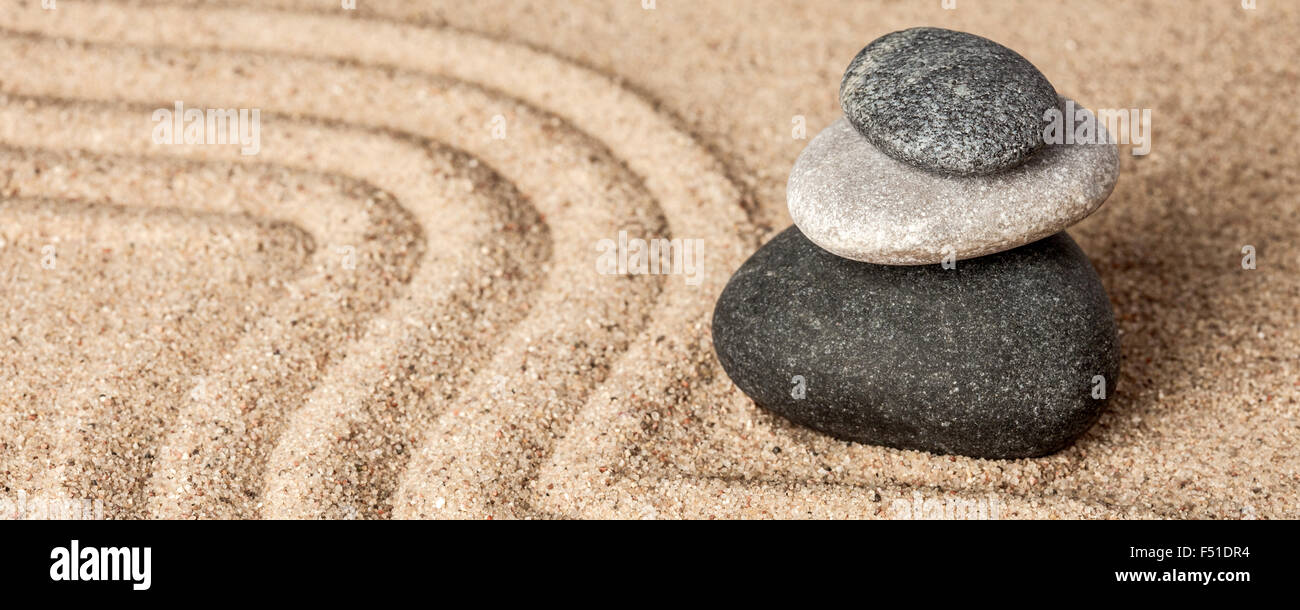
(1009, 355)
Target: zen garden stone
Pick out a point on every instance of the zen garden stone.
(1005, 356)
(947, 101)
(860, 322)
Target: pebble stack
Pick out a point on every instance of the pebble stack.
(928, 297)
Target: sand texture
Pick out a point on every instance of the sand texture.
(392, 310)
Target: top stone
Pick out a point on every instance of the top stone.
(947, 101)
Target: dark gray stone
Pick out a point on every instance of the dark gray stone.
(947, 101)
(996, 358)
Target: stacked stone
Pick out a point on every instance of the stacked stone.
(928, 297)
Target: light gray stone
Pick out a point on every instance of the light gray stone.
(857, 202)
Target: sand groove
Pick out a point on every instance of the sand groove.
(391, 162)
(578, 402)
(368, 217)
(575, 392)
(474, 364)
(98, 380)
(582, 218)
(508, 419)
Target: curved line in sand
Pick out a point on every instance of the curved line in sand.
(609, 229)
(102, 215)
(515, 204)
(405, 361)
(151, 175)
(615, 133)
(727, 163)
(626, 378)
(718, 497)
(76, 401)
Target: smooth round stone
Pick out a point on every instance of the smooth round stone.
(947, 101)
(995, 358)
(859, 203)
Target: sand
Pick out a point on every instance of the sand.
(393, 310)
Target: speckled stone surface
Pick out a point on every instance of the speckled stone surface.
(947, 101)
(859, 203)
(995, 358)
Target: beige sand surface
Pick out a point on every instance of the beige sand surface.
(393, 310)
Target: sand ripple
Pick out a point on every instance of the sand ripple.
(201, 349)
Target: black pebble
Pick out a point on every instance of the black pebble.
(997, 358)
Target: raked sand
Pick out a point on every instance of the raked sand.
(392, 310)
